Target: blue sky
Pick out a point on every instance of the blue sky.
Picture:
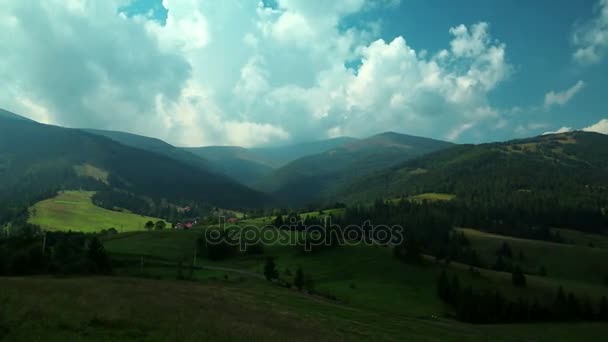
(275, 72)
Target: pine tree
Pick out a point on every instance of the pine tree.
(443, 287)
(603, 310)
(278, 221)
(270, 270)
(298, 280)
(96, 254)
(518, 277)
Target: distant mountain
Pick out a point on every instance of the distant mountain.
(237, 162)
(5, 114)
(280, 156)
(249, 165)
(37, 159)
(154, 145)
(316, 177)
(571, 164)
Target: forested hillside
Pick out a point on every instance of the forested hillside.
(315, 177)
(155, 145)
(559, 180)
(37, 160)
(250, 165)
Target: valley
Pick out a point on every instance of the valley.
(493, 248)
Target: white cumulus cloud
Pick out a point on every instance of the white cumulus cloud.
(559, 130)
(600, 127)
(591, 38)
(562, 97)
(242, 72)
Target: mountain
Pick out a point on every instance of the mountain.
(154, 145)
(249, 165)
(280, 156)
(564, 166)
(316, 177)
(5, 114)
(237, 162)
(37, 159)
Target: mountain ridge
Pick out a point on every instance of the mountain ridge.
(40, 158)
(311, 178)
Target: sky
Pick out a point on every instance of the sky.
(274, 72)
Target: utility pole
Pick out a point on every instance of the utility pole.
(43, 242)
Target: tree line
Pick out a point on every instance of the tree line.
(491, 306)
(29, 251)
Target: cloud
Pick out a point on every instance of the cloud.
(559, 130)
(600, 127)
(591, 38)
(247, 73)
(456, 132)
(524, 129)
(562, 97)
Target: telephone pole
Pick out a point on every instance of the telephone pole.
(43, 242)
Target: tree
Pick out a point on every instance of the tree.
(409, 250)
(278, 221)
(97, 257)
(443, 287)
(518, 277)
(505, 250)
(603, 311)
(149, 225)
(218, 248)
(298, 280)
(270, 269)
(160, 225)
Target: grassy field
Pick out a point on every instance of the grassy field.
(433, 197)
(583, 239)
(565, 262)
(366, 277)
(268, 220)
(375, 296)
(430, 196)
(127, 309)
(74, 210)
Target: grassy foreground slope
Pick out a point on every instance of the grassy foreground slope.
(74, 210)
(362, 277)
(127, 309)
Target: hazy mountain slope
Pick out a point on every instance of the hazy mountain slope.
(154, 145)
(36, 158)
(5, 114)
(237, 162)
(317, 177)
(280, 156)
(249, 165)
(572, 163)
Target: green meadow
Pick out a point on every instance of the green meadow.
(75, 211)
(364, 277)
(128, 309)
(361, 292)
(566, 262)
